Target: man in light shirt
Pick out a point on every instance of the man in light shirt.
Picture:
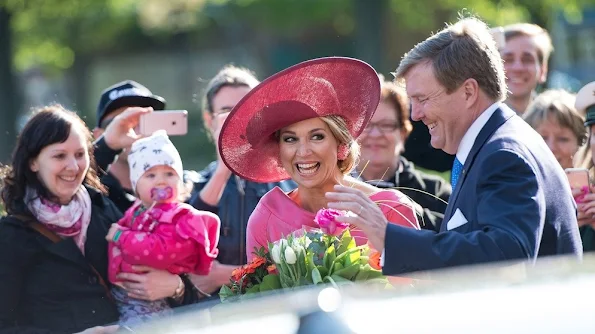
(511, 199)
(526, 52)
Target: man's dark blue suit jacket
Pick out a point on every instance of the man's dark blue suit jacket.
(512, 201)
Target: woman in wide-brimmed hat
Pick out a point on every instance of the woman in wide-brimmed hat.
(301, 124)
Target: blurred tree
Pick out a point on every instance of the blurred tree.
(52, 32)
(8, 91)
(59, 35)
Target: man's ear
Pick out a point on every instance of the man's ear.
(543, 76)
(471, 90)
(207, 118)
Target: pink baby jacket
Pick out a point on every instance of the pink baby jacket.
(171, 236)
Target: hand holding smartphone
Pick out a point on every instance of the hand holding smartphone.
(578, 178)
(174, 122)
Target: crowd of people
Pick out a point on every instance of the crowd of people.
(105, 229)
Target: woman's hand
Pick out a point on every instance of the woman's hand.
(100, 330)
(368, 216)
(120, 132)
(151, 284)
(217, 277)
(585, 201)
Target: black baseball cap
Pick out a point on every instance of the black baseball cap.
(124, 94)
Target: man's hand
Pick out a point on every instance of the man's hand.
(120, 132)
(368, 216)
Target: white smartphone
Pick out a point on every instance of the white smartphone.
(174, 122)
(578, 177)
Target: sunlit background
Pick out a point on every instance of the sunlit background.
(68, 51)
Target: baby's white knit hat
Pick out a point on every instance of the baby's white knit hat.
(156, 150)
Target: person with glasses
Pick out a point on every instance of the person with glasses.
(382, 165)
(220, 191)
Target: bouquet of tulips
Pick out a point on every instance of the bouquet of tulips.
(328, 255)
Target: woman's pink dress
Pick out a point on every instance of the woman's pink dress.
(277, 215)
(184, 240)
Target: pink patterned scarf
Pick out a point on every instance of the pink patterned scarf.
(71, 220)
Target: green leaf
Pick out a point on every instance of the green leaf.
(329, 256)
(225, 293)
(322, 270)
(302, 265)
(270, 282)
(340, 280)
(337, 266)
(286, 281)
(348, 272)
(310, 261)
(316, 277)
(347, 242)
(253, 289)
(373, 273)
(362, 275)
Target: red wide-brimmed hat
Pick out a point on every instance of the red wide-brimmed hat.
(320, 87)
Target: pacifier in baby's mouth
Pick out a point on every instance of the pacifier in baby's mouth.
(161, 194)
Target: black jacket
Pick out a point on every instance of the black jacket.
(48, 287)
(237, 202)
(51, 288)
(122, 198)
(588, 238)
(408, 177)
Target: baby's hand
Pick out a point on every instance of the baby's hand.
(112, 232)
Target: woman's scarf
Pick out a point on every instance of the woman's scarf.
(71, 220)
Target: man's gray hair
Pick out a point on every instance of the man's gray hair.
(459, 52)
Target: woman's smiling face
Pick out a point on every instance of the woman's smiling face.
(308, 152)
(62, 167)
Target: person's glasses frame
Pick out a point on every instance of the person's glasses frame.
(383, 127)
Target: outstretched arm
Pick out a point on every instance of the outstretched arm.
(509, 202)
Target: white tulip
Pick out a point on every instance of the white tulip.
(298, 249)
(290, 257)
(308, 242)
(295, 244)
(276, 253)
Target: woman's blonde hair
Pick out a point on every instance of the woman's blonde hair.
(338, 127)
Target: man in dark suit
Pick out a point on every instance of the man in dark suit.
(511, 199)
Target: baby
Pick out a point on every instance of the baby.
(159, 230)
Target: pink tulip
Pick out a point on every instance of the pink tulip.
(325, 218)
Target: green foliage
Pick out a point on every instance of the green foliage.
(52, 33)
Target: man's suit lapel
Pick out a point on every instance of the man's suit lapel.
(501, 115)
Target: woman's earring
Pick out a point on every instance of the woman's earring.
(342, 152)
